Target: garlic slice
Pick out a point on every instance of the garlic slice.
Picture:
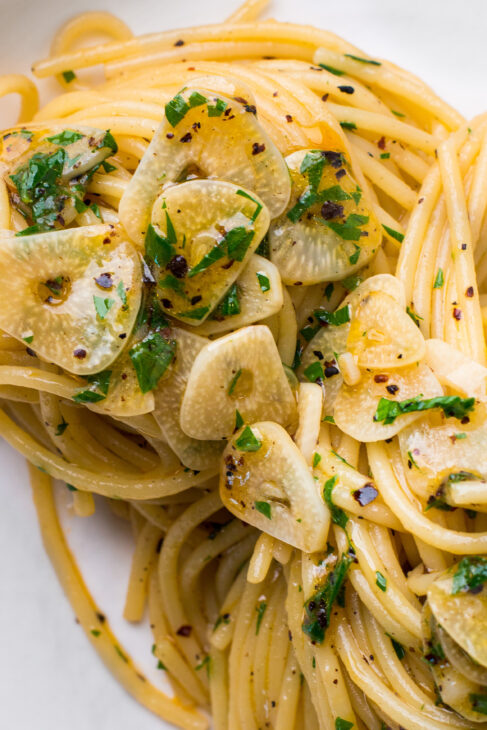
(265, 481)
(327, 231)
(193, 453)
(218, 136)
(243, 372)
(203, 234)
(454, 369)
(73, 295)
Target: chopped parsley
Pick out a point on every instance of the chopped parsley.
(249, 197)
(264, 282)
(197, 313)
(479, 703)
(217, 109)
(151, 357)
(394, 234)
(121, 292)
(197, 99)
(261, 608)
(338, 516)
(263, 507)
(380, 581)
(337, 318)
(440, 279)
(234, 381)
(205, 663)
(230, 304)
(452, 406)
(319, 607)
(385, 155)
(348, 125)
(61, 427)
(99, 384)
(415, 317)
(176, 110)
(103, 305)
(362, 60)
(341, 724)
(68, 76)
(332, 70)
(66, 137)
(471, 574)
(239, 421)
(29, 339)
(350, 229)
(159, 249)
(247, 441)
(316, 459)
(398, 647)
(235, 245)
(314, 372)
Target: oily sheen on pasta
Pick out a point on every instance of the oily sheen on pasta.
(243, 288)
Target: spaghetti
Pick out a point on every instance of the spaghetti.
(242, 288)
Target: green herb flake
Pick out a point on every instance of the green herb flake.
(314, 372)
(95, 632)
(316, 459)
(151, 357)
(479, 703)
(69, 486)
(363, 60)
(394, 234)
(239, 421)
(357, 194)
(217, 109)
(471, 573)
(348, 125)
(234, 381)
(264, 508)
(439, 280)
(258, 208)
(459, 436)
(68, 76)
(108, 141)
(247, 441)
(28, 339)
(198, 313)
(329, 289)
(412, 461)
(385, 155)
(108, 167)
(158, 248)
(398, 114)
(261, 608)
(398, 647)
(264, 282)
(121, 654)
(350, 230)
(328, 419)
(318, 608)
(171, 282)
(332, 70)
(230, 304)
(337, 318)
(65, 138)
(204, 664)
(99, 385)
(415, 317)
(341, 724)
(176, 110)
(61, 427)
(103, 305)
(121, 292)
(452, 406)
(197, 99)
(380, 581)
(338, 516)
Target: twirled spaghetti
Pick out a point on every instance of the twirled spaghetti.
(243, 299)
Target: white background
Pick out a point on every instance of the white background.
(50, 679)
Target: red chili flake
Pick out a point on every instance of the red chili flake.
(180, 42)
(330, 371)
(80, 353)
(184, 630)
(381, 378)
(421, 200)
(258, 148)
(464, 246)
(106, 240)
(392, 389)
(331, 210)
(229, 264)
(340, 173)
(104, 280)
(178, 266)
(166, 303)
(289, 118)
(30, 352)
(465, 420)
(187, 137)
(240, 100)
(457, 314)
(275, 93)
(347, 89)
(365, 495)
(469, 292)
(196, 299)
(124, 376)
(381, 144)
(122, 336)
(325, 97)
(196, 126)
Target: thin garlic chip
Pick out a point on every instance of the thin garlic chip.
(356, 406)
(73, 295)
(199, 250)
(265, 481)
(327, 231)
(47, 170)
(447, 455)
(330, 340)
(238, 375)
(255, 295)
(454, 369)
(214, 136)
(382, 335)
(193, 453)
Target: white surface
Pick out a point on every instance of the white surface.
(50, 679)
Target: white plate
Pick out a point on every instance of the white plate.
(50, 679)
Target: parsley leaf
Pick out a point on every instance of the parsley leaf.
(230, 305)
(264, 508)
(341, 724)
(239, 421)
(380, 581)
(249, 197)
(151, 357)
(66, 137)
(68, 76)
(319, 607)
(338, 516)
(99, 384)
(176, 110)
(394, 234)
(337, 318)
(314, 372)
(452, 406)
(478, 702)
(332, 70)
(217, 109)
(363, 60)
(234, 381)
(248, 441)
(158, 248)
(471, 573)
(440, 279)
(348, 125)
(264, 282)
(103, 305)
(261, 608)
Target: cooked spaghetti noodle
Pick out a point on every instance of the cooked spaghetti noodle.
(287, 399)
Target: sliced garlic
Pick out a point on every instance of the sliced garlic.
(454, 369)
(240, 372)
(218, 137)
(193, 453)
(382, 335)
(355, 406)
(265, 481)
(258, 294)
(327, 231)
(199, 250)
(76, 293)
